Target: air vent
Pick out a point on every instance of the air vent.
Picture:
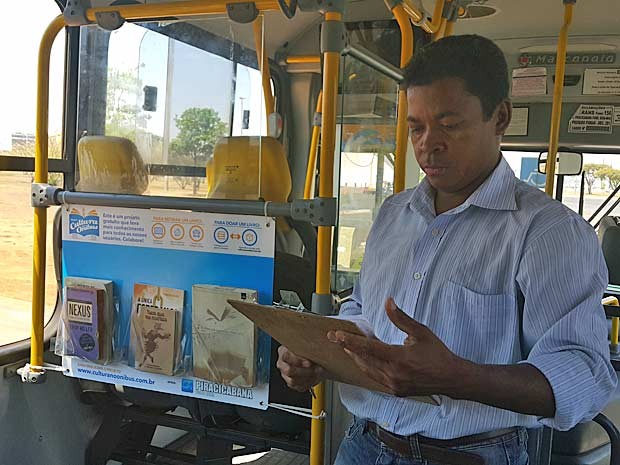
(478, 11)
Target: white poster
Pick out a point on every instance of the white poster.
(529, 81)
(601, 81)
(518, 124)
(170, 229)
(592, 119)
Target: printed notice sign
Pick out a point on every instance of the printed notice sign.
(592, 119)
(169, 229)
(518, 124)
(601, 81)
(529, 81)
(616, 121)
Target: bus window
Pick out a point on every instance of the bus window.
(17, 142)
(367, 130)
(173, 89)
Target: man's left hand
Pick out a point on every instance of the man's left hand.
(423, 365)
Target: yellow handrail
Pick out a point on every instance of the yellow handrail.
(146, 11)
(303, 59)
(406, 52)
(331, 64)
(314, 144)
(40, 176)
(556, 112)
(615, 322)
(419, 18)
(263, 64)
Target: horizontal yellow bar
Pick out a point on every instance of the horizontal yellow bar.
(303, 59)
(175, 9)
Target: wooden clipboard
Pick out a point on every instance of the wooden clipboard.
(305, 334)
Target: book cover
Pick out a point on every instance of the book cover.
(156, 328)
(107, 323)
(84, 313)
(224, 341)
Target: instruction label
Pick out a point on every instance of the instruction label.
(616, 121)
(592, 119)
(601, 81)
(518, 124)
(529, 81)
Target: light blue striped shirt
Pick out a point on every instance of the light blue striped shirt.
(508, 276)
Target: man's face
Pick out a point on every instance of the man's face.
(453, 143)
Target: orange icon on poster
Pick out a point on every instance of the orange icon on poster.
(196, 233)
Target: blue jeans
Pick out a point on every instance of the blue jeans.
(360, 447)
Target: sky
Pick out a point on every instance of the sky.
(18, 63)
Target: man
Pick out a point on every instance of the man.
(480, 289)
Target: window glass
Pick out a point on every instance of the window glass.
(367, 132)
(18, 92)
(175, 90)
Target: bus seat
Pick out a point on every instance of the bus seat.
(233, 171)
(109, 164)
(587, 443)
(609, 237)
(252, 168)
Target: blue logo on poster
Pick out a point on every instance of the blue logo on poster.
(221, 235)
(187, 385)
(84, 225)
(249, 237)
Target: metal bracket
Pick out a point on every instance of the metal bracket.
(391, 4)
(75, 12)
(31, 377)
(242, 12)
(320, 211)
(333, 36)
(43, 195)
(322, 304)
(317, 119)
(109, 20)
(321, 6)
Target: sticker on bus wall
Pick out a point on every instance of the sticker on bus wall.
(592, 119)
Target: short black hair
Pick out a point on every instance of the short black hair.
(476, 60)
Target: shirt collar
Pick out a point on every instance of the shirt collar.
(497, 192)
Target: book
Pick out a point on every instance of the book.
(106, 326)
(224, 341)
(85, 308)
(305, 334)
(156, 328)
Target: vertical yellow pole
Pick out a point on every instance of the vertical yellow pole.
(615, 323)
(40, 176)
(449, 28)
(314, 144)
(558, 90)
(331, 63)
(406, 52)
(263, 63)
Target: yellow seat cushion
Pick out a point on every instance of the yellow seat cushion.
(110, 164)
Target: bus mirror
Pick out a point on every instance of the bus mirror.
(150, 98)
(567, 163)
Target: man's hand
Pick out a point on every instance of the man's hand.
(298, 373)
(423, 365)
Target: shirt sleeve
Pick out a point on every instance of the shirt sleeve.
(562, 276)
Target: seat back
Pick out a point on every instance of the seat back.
(249, 168)
(111, 165)
(609, 237)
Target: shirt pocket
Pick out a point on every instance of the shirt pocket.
(480, 327)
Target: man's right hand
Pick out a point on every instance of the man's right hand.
(298, 373)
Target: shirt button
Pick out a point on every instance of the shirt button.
(417, 275)
(435, 232)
